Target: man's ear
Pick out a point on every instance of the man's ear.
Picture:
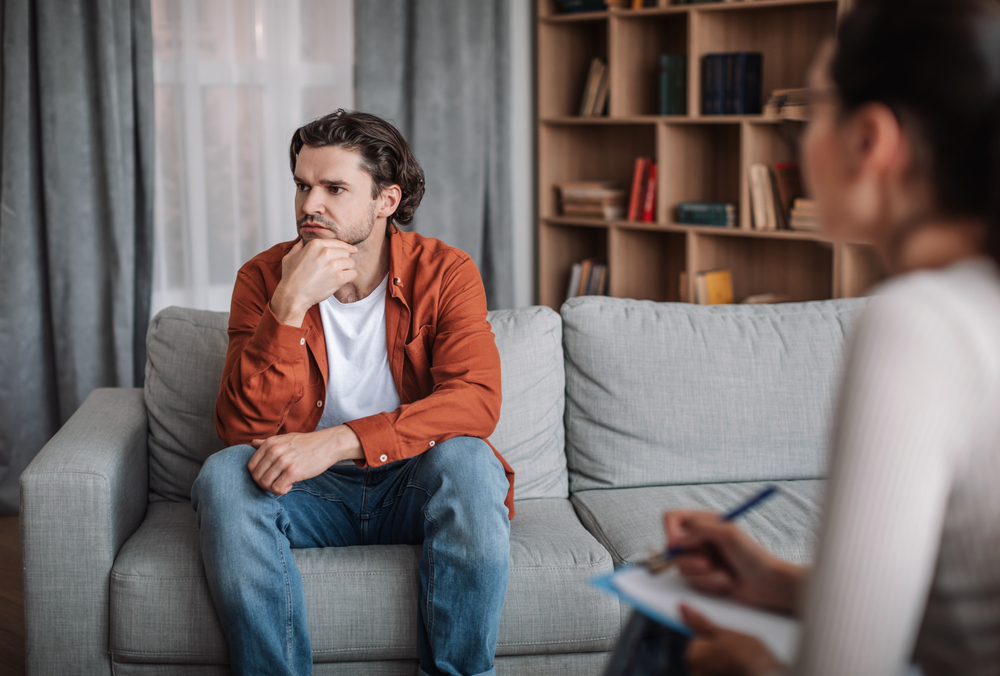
(390, 198)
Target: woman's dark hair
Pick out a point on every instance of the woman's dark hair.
(385, 155)
(936, 64)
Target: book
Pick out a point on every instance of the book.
(601, 97)
(804, 215)
(731, 83)
(591, 85)
(766, 298)
(592, 199)
(720, 214)
(574, 6)
(789, 104)
(788, 180)
(574, 280)
(673, 84)
(767, 211)
(589, 277)
(649, 198)
(635, 202)
(714, 287)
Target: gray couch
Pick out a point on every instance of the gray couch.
(613, 411)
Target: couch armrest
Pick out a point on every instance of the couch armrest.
(82, 496)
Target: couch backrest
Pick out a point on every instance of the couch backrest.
(672, 393)
(185, 354)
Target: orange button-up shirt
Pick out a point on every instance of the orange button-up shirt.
(442, 355)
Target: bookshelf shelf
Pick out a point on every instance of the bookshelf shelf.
(699, 157)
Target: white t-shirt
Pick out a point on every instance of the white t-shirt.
(359, 382)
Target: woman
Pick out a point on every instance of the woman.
(902, 152)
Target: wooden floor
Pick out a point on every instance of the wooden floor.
(11, 599)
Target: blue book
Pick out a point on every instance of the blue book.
(713, 84)
(673, 84)
(720, 214)
(743, 78)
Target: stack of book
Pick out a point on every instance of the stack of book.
(574, 6)
(673, 84)
(731, 83)
(642, 201)
(788, 104)
(589, 277)
(714, 287)
(804, 216)
(592, 199)
(595, 91)
(719, 214)
(772, 189)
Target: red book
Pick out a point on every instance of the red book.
(649, 199)
(638, 183)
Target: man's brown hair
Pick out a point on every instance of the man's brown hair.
(385, 154)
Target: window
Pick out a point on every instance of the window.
(234, 79)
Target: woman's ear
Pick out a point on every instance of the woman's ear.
(390, 198)
(875, 141)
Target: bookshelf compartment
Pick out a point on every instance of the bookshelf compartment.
(559, 246)
(589, 153)
(697, 162)
(858, 268)
(766, 144)
(799, 269)
(635, 46)
(650, 266)
(788, 36)
(565, 51)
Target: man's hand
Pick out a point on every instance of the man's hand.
(719, 652)
(286, 458)
(310, 273)
(721, 559)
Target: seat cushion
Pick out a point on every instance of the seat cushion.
(185, 353)
(628, 521)
(672, 393)
(362, 600)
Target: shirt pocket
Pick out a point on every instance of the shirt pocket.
(417, 377)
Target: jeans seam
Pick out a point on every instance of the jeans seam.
(428, 546)
(288, 594)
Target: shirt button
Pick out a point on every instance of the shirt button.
(319, 404)
(383, 457)
(397, 281)
(430, 443)
(302, 341)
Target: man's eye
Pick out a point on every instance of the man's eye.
(301, 187)
(336, 190)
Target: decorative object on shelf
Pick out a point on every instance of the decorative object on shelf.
(719, 214)
(589, 277)
(641, 185)
(788, 104)
(595, 91)
(575, 6)
(592, 199)
(714, 287)
(804, 216)
(673, 84)
(731, 83)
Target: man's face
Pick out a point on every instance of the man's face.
(333, 196)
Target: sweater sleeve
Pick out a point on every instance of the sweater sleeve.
(464, 365)
(266, 367)
(906, 408)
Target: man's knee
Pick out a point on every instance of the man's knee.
(223, 477)
(465, 468)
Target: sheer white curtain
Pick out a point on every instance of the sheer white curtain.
(234, 79)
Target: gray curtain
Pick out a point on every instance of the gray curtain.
(76, 213)
(439, 69)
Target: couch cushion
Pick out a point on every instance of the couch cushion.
(672, 393)
(628, 522)
(362, 600)
(186, 350)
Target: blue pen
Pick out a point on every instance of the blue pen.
(660, 561)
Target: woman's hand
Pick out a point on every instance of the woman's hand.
(722, 560)
(719, 652)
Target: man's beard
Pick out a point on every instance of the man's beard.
(354, 235)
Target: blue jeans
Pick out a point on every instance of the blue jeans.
(450, 499)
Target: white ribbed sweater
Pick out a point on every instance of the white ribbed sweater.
(908, 564)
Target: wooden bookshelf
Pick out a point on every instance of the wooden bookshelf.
(699, 157)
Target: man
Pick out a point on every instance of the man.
(360, 383)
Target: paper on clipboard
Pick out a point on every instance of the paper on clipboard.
(659, 596)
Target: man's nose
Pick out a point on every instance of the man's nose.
(313, 203)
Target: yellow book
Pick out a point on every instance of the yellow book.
(714, 288)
